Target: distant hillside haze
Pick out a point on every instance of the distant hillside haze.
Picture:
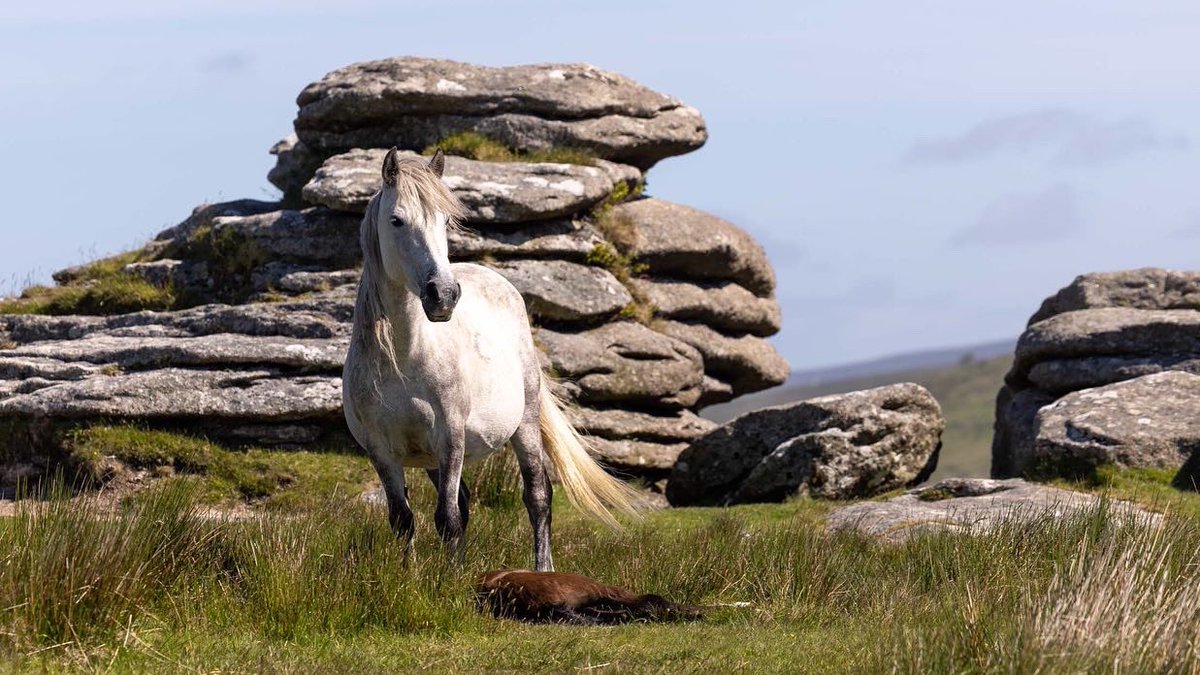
(964, 380)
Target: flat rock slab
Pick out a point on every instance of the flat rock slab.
(616, 423)
(414, 102)
(561, 238)
(1146, 288)
(837, 447)
(315, 236)
(1109, 332)
(492, 192)
(632, 455)
(316, 317)
(678, 241)
(625, 362)
(561, 291)
(260, 396)
(724, 306)
(975, 506)
(1149, 421)
(140, 353)
(748, 363)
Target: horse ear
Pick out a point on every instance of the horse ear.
(438, 164)
(391, 167)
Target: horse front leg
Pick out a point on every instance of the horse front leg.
(400, 516)
(450, 517)
(527, 443)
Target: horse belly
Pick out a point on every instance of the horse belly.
(498, 406)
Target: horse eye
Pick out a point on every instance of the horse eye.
(397, 221)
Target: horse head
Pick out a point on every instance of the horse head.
(413, 211)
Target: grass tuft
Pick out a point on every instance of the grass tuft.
(100, 288)
(474, 145)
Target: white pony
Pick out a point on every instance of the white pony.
(442, 369)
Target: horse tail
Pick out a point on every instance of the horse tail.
(589, 488)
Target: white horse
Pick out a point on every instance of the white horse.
(442, 369)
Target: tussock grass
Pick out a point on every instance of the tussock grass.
(327, 588)
(474, 145)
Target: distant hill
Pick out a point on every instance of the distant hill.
(964, 381)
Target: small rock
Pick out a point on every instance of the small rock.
(975, 506)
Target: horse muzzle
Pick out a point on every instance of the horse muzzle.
(439, 298)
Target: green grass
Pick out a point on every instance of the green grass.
(473, 145)
(323, 587)
(102, 287)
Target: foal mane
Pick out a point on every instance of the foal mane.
(421, 193)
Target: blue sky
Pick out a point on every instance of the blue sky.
(922, 174)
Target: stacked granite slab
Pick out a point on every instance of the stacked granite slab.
(1106, 373)
(259, 355)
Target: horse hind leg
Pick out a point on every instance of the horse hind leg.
(527, 443)
(400, 516)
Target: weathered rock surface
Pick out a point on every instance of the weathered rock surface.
(746, 362)
(220, 349)
(724, 306)
(975, 506)
(849, 445)
(679, 241)
(175, 393)
(413, 102)
(558, 291)
(280, 278)
(562, 238)
(295, 164)
(1146, 288)
(1149, 421)
(1098, 332)
(625, 362)
(494, 192)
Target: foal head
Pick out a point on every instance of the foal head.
(409, 220)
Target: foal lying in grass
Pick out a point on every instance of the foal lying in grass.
(556, 597)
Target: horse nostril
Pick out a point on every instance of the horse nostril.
(457, 291)
(431, 291)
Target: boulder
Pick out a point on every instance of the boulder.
(558, 291)
(414, 102)
(561, 238)
(1099, 331)
(1146, 288)
(678, 241)
(493, 192)
(837, 447)
(724, 306)
(625, 362)
(1147, 422)
(976, 506)
(747, 363)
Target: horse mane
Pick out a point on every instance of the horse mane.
(420, 191)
